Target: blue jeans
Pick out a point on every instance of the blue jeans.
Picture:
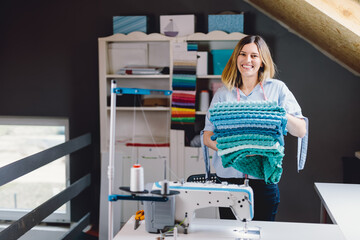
(266, 199)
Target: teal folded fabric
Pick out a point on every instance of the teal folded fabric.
(250, 137)
(266, 105)
(248, 130)
(264, 164)
(245, 140)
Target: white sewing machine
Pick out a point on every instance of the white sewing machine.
(191, 196)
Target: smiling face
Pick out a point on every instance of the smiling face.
(249, 61)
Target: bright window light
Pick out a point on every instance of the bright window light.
(20, 138)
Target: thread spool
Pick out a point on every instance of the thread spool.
(165, 188)
(204, 100)
(137, 178)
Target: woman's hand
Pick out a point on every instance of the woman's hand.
(295, 126)
(208, 142)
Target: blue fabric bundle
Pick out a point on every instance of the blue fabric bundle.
(250, 137)
(184, 82)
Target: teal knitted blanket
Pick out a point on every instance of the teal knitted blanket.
(250, 137)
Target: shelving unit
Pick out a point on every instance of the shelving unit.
(115, 52)
(156, 49)
(118, 51)
(121, 50)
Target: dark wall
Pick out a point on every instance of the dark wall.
(49, 67)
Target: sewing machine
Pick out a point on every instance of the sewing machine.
(186, 198)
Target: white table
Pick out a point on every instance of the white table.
(202, 228)
(342, 203)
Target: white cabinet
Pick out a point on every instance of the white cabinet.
(118, 51)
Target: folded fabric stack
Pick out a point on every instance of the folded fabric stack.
(183, 107)
(184, 81)
(250, 137)
(183, 84)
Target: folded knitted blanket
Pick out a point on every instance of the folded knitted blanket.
(246, 105)
(228, 118)
(250, 137)
(249, 130)
(246, 111)
(262, 163)
(237, 148)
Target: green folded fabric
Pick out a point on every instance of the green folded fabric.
(262, 163)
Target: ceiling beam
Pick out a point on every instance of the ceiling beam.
(331, 27)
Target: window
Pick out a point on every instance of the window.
(24, 136)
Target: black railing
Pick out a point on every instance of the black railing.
(21, 167)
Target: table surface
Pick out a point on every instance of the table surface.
(202, 228)
(342, 203)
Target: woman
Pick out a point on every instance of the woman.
(248, 76)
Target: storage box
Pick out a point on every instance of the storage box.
(155, 102)
(202, 64)
(177, 25)
(220, 59)
(227, 23)
(128, 24)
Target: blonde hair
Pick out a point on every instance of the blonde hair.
(231, 76)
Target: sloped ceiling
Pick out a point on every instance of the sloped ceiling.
(332, 26)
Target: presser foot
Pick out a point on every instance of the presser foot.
(248, 233)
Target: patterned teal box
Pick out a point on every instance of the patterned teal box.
(128, 24)
(227, 23)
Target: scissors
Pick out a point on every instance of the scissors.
(138, 217)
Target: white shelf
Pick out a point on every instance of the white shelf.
(153, 109)
(143, 37)
(164, 76)
(200, 113)
(207, 41)
(141, 140)
(209, 77)
(108, 63)
(136, 36)
(214, 36)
